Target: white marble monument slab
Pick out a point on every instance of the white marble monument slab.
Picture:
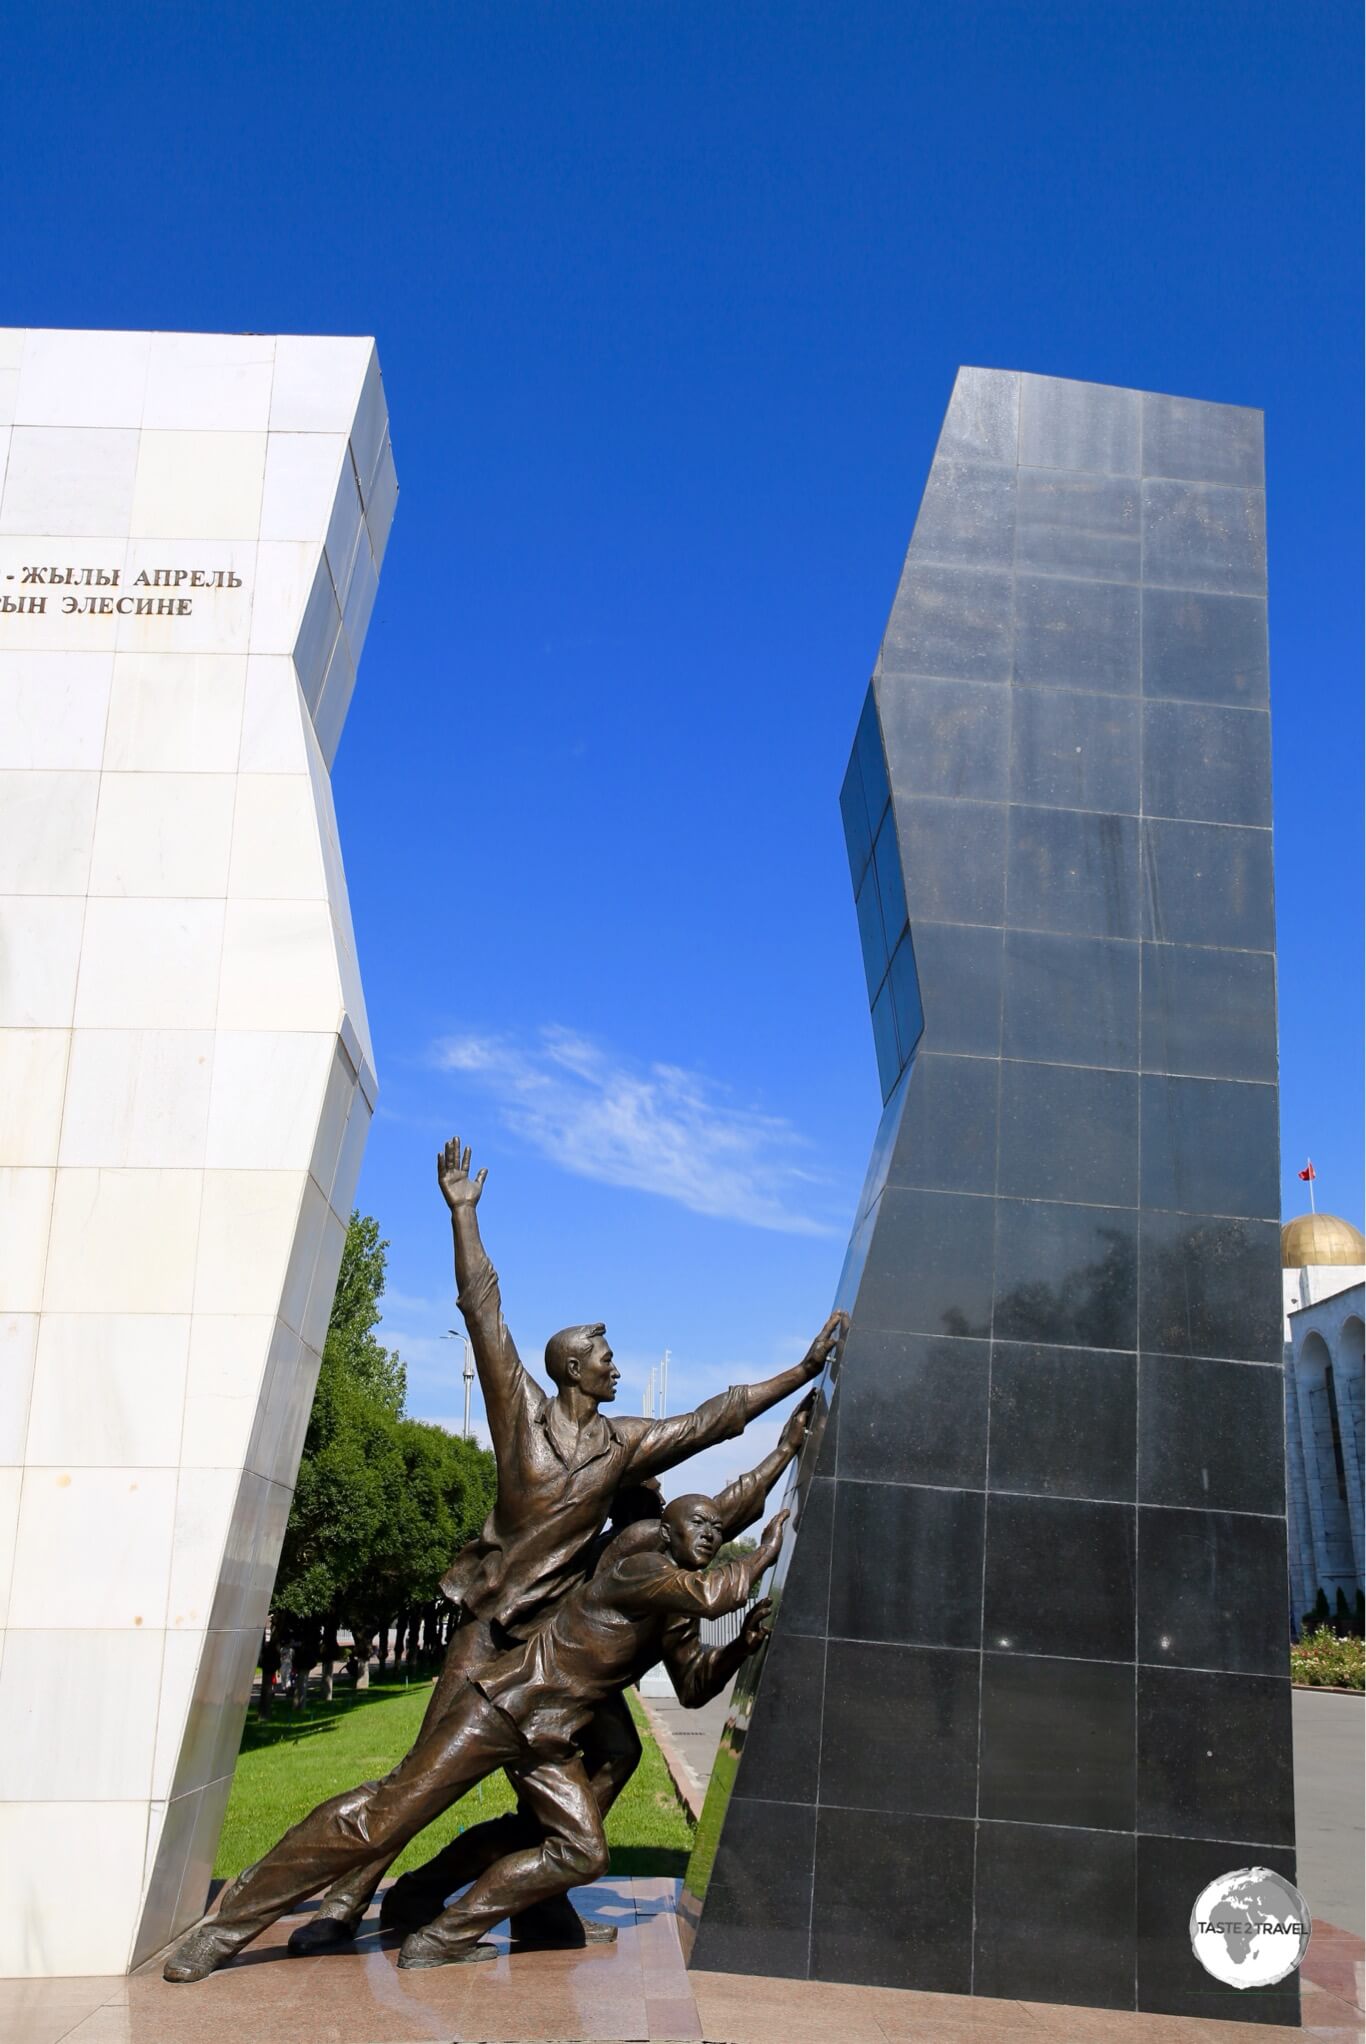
(191, 532)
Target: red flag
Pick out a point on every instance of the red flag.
(1309, 1171)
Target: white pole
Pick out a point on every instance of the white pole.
(469, 1381)
(664, 1387)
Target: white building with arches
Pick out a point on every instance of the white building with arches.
(1323, 1263)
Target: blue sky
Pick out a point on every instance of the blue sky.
(669, 300)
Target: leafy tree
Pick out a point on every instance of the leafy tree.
(382, 1502)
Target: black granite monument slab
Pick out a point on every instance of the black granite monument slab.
(1028, 1687)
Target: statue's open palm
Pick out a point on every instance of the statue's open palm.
(458, 1189)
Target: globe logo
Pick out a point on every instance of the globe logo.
(1250, 1928)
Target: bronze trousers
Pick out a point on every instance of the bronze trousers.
(610, 1746)
(373, 1823)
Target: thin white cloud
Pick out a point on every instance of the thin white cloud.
(656, 1128)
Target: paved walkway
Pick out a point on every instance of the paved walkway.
(636, 1989)
(1330, 1790)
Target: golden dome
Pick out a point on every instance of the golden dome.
(1320, 1238)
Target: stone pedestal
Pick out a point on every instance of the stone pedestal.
(191, 531)
(1028, 1687)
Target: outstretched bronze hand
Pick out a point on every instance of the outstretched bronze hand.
(458, 1189)
(755, 1629)
(826, 1345)
(796, 1426)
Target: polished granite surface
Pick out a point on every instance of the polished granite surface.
(1028, 1685)
(635, 1990)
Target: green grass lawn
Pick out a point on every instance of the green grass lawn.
(294, 1759)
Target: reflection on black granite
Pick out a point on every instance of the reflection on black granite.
(905, 1737)
(1069, 1133)
(893, 1901)
(1214, 1755)
(1071, 1000)
(914, 1409)
(1028, 1674)
(1208, 1435)
(927, 1587)
(1090, 1298)
(1059, 1577)
(1212, 1591)
(1058, 1742)
(1062, 1421)
(1210, 1286)
(1209, 1146)
(1055, 1915)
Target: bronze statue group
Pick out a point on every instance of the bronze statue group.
(581, 1579)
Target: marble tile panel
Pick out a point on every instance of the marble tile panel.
(137, 1097)
(370, 426)
(194, 1883)
(76, 377)
(317, 383)
(47, 821)
(343, 1188)
(344, 527)
(268, 1099)
(148, 964)
(247, 1229)
(18, 1347)
(53, 709)
(108, 1389)
(199, 485)
(302, 472)
(226, 1367)
(381, 504)
(280, 968)
(63, 480)
(175, 713)
(203, 1514)
(283, 1409)
(217, 382)
(53, 1746)
(218, 619)
(163, 1871)
(339, 685)
(303, 1259)
(163, 834)
(123, 1241)
(213, 1725)
(360, 598)
(319, 631)
(9, 378)
(330, 1119)
(181, 1652)
(93, 1549)
(276, 854)
(11, 1489)
(40, 942)
(85, 1853)
(272, 718)
(32, 1079)
(323, 1290)
(285, 574)
(25, 1218)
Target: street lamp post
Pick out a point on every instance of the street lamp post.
(455, 1334)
